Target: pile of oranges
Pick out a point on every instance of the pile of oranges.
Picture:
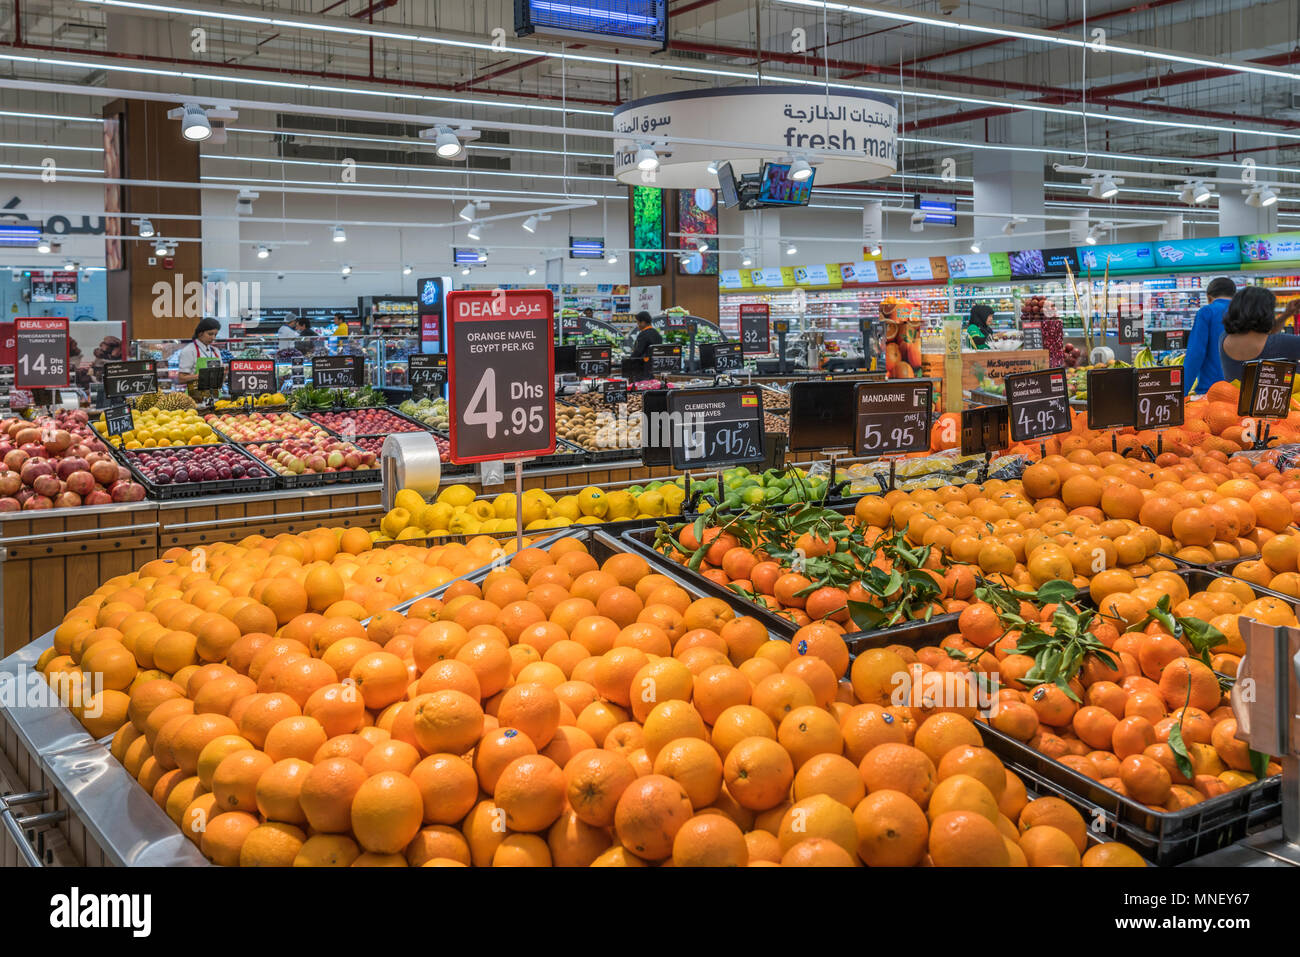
(563, 712)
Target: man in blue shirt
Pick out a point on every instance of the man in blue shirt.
(1201, 366)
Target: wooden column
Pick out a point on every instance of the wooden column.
(148, 146)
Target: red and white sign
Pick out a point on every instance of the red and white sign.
(7, 343)
(41, 355)
(501, 374)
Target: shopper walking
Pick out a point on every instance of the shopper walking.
(1201, 366)
(647, 335)
(1250, 331)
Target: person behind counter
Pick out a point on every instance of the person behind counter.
(1201, 365)
(978, 330)
(647, 335)
(340, 326)
(1250, 331)
(198, 351)
(291, 330)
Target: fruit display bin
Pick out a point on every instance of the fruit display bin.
(414, 425)
(316, 479)
(595, 456)
(263, 482)
(216, 424)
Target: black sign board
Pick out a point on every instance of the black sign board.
(211, 376)
(1172, 339)
(130, 377)
(40, 353)
(251, 377)
(593, 362)
(317, 313)
(727, 356)
(501, 391)
(1111, 402)
(657, 435)
(614, 391)
(715, 428)
(427, 373)
(118, 419)
(821, 415)
(893, 416)
(755, 329)
(1266, 388)
(338, 372)
(1032, 331)
(780, 325)
(1039, 404)
(1131, 330)
(984, 430)
(665, 358)
(280, 314)
(1060, 261)
(1159, 398)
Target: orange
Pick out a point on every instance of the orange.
(1112, 854)
(447, 721)
(966, 839)
(892, 830)
(386, 812)
(279, 788)
(758, 773)
(531, 791)
(1047, 846)
(190, 738)
(295, 737)
(1054, 812)
(650, 812)
(490, 662)
(830, 774)
(668, 721)
(695, 765)
(1188, 682)
(448, 787)
(234, 779)
(1145, 778)
(391, 755)
(273, 844)
(327, 792)
(710, 840)
(717, 688)
(737, 723)
(899, 767)
(808, 731)
(224, 837)
(868, 725)
(380, 678)
(942, 732)
(980, 763)
(777, 695)
(817, 852)
(875, 674)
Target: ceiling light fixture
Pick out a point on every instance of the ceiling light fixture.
(702, 245)
(876, 249)
(346, 270)
(975, 245)
(146, 228)
(647, 160)
(800, 170)
(263, 252)
(482, 256)
(339, 235)
(790, 249)
(532, 270)
(918, 221)
(746, 259)
(194, 122)
(43, 246)
(583, 271)
(1010, 225)
(1260, 197)
(1102, 187)
(1194, 191)
(468, 212)
(475, 232)
(160, 248)
(612, 259)
(530, 224)
(465, 271)
(69, 264)
(406, 270)
(712, 168)
(449, 144)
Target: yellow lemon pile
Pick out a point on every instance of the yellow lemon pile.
(160, 428)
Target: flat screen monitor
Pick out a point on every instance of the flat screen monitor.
(821, 415)
(727, 186)
(777, 188)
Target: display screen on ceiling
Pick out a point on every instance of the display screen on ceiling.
(727, 186)
(1056, 260)
(778, 188)
(648, 230)
(643, 20)
(697, 215)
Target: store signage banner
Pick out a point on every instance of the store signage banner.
(858, 274)
(1055, 261)
(1122, 257)
(646, 299)
(768, 278)
(857, 126)
(1185, 253)
(811, 276)
(730, 279)
(979, 266)
(873, 223)
(1271, 248)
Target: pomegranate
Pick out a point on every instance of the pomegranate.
(81, 482)
(67, 466)
(15, 458)
(97, 497)
(126, 492)
(35, 450)
(34, 469)
(9, 505)
(104, 472)
(47, 485)
(57, 441)
(37, 501)
(67, 500)
(10, 482)
(23, 495)
(28, 436)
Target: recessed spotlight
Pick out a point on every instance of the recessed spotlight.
(339, 235)
(800, 170)
(647, 160)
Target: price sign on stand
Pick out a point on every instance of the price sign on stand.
(1159, 398)
(118, 419)
(893, 417)
(821, 415)
(210, 375)
(1266, 388)
(338, 372)
(614, 391)
(40, 353)
(131, 377)
(1111, 402)
(427, 373)
(593, 362)
(984, 430)
(1038, 403)
(251, 377)
(727, 356)
(1171, 339)
(1131, 331)
(755, 328)
(716, 428)
(501, 391)
(665, 359)
(780, 325)
(1033, 334)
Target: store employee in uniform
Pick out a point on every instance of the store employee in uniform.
(646, 336)
(198, 352)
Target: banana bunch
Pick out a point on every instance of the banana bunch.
(1175, 360)
(1144, 359)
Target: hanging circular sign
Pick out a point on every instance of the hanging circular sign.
(857, 128)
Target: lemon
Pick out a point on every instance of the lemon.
(673, 496)
(566, 508)
(590, 520)
(533, 510)
(376, 536)
(464, 524)
(592, 503)
(621, 505)
(506, 525)
(651, 503)
(481, 510)
(504, 505)
(411, 531)
(558, 522)
(396, 520)
(540, 495)
(491, 525)
(536, 524)
(456, 495)
(434, 517)
(409, 499)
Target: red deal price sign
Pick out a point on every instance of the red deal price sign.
(40, 353)
(501, 381)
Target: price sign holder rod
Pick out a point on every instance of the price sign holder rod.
(780, 353)
(519, 504)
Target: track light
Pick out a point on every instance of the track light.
(532, 270)
(1094, 234)
(583, 271)
(1010, 225)
(1194, 192)
(800, 170)
(475, 232)
(194, 123)
(746, 260)
(468, 212)
(1102, 187)
(146, 229)
(160, 248)
(1260, 197)
(876, 249)
(482, 256)
(43, 246)
(702, 246)
(918, 221)
(975, 245)
(465, 271)
(647, 160)
(346, 270)
(446, 143)
(339, 235)
(530, 224)
(263, 252)
(790, 249)
(612, 259)
(406, 270)
(712, 168)
(69, 265)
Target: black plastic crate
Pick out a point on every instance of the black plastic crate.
(263, 482)
(316, 479)
(418, 425)
(216, 426)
